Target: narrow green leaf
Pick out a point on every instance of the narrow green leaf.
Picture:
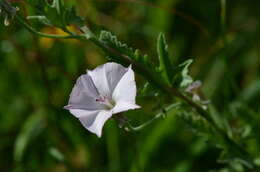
(165, 63)
(55, 153)
(32, 127)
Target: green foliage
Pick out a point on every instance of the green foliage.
(132, 55)
(56, 14)
(32, 127)
(186, 78)
(108, 39)
(71, 17)
(37, 74)
(198, 124)
(43, 19)
(117, 50)
(165, 66)
(7, 12)
(55, 153)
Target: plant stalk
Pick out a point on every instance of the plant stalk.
(150, 77)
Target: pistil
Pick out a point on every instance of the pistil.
(106, 101)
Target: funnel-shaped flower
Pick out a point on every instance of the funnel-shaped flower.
(102, 92)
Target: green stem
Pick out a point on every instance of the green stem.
(155, 81)
(31, 29)
(171, 91)
(174, 92)
(159, 115)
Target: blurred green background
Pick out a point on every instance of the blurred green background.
(37, 75)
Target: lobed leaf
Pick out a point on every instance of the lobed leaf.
(186, 78)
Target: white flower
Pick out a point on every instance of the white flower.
(102, 92)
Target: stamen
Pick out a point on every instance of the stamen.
(105, 101)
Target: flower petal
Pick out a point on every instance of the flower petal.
(88, 85)
(106, 77)
(95, 124)
(83, 113)
(84, 95)
(126, 88)
(124, 106)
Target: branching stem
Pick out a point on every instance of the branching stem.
(155, 81)
(159, 115)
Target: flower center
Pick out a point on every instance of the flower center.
(109, 103)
